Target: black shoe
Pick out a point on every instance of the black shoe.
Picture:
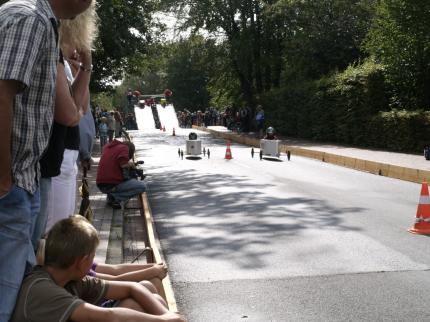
(114, 204)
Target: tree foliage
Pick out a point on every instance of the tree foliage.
(248, 35)
(148, 75)
(124, 32)
(103, 100)
(188, 71)
(334, 70)
(400, 39)
(323, 35)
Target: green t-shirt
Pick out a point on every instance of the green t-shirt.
(40, 299)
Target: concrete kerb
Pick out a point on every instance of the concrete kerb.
(377, 168)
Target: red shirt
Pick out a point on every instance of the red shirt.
(115, 154)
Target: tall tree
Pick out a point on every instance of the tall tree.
(125, 31)
(187, 72)
(242, 26)
(400, 39)
(323, 35)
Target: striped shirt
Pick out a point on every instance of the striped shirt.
(29, 54)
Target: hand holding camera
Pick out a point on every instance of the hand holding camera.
(134, 172)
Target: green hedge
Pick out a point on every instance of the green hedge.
(348, 108)
(400, 130)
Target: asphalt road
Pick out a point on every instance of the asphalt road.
(251, 240)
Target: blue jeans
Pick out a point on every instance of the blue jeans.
(103, 141)
(18, 211)
(126, 189)
(42, 217)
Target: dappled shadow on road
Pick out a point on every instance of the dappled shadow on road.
(214, 216)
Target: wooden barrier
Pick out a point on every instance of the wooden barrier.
(378, 168)
(411, 174)
(158, 257)
(384, 169)
(396, 172)
(424, 175)
(359, 164)
(370, 166)
(350, 162)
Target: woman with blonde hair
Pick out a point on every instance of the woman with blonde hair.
(72, 98)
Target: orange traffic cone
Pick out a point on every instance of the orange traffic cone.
(228, 155)
(164, 129)
(173, 134)
(422, 220)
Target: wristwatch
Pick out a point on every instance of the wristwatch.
(85, 69)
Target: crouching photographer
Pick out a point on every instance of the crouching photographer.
(117, 173)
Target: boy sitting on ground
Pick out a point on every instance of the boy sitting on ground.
(61, 291)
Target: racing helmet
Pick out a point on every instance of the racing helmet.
(192, 136)
(270, 130)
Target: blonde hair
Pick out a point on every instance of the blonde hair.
(68, 240)
(79, 33)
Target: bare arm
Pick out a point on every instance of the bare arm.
(66, 111)
(120, 268)
(157, 270)
(82, 80)
(91, 313)
(8, 90)
(69, 107)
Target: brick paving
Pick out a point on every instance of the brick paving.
(120, 231)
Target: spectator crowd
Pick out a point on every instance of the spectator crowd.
(231, 117)
(237, 120)
(47, 128)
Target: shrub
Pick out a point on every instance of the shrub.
(400, 130)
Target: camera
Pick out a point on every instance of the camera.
(134, 173)
(137, 174)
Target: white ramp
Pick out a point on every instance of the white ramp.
(144, 118)
(167, 116)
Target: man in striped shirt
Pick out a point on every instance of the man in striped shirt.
(28, 61)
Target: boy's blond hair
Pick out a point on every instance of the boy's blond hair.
(68, 240)
(79, 33)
